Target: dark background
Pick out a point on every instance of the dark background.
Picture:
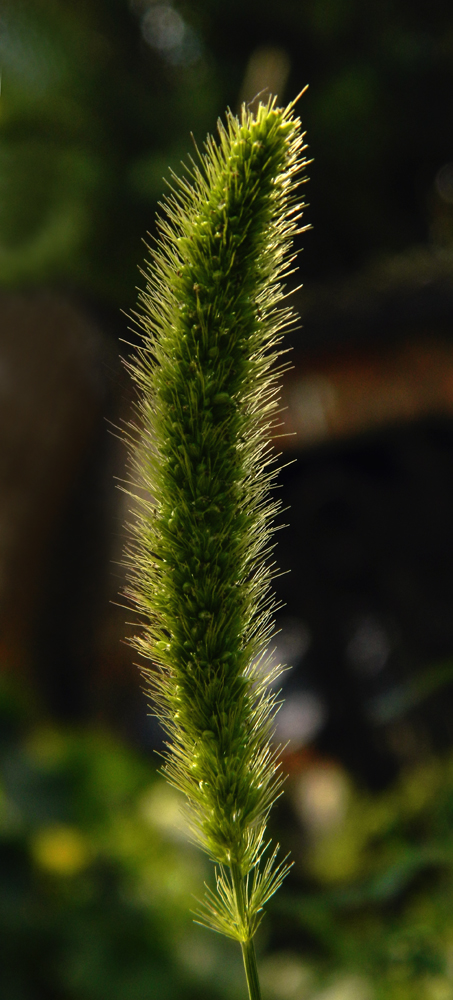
(98, 100)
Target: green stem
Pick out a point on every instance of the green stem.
(248, 948)
(251, 971)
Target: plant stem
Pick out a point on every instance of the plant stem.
(251, 971)
(248, 948)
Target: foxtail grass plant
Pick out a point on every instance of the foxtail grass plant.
(200, 558)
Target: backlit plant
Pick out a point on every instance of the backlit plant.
(200, 559)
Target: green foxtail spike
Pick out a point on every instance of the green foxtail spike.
(200, 558)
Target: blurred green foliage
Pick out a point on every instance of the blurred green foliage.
(97, 876)
(382, 868)
(89, 125)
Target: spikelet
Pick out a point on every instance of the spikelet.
(200, 563)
